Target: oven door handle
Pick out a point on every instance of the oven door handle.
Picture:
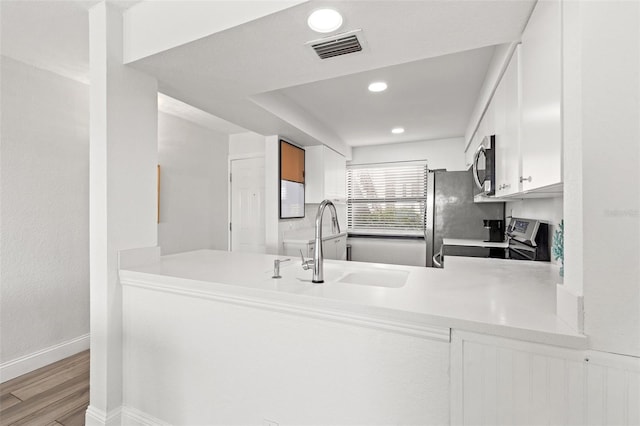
(524, 253)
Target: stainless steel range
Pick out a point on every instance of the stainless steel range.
(528, 239)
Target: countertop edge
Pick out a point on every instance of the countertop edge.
(298, 305)
(416, 324)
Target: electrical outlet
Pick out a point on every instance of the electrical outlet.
(267, 422)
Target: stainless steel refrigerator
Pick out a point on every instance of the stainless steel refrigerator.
(451, 212)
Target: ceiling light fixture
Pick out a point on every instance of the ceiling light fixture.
(378, 86)
(324, 20)
(397, 130)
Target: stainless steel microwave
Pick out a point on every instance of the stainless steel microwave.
(484, 166)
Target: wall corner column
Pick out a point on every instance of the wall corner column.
(601, 114)
(123, 158)
(272, 197)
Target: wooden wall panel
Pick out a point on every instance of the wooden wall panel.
(291, 162)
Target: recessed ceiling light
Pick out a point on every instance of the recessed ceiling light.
(378, 86)
(324, 20)
(397, 130)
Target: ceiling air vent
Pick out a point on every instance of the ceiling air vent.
(340, 44)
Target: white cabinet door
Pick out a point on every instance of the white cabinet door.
(341, 248)
(335, 248)
(325, 175)
(488, 122)
(499, 104)
(541, 145)
(502, 381)
(329, 249)
(507, 99)
(336, 183)
(475, 142)
(314, 174)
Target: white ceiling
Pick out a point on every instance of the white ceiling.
(187, 112)
(255, 74)
(262, 77)
(54, 36)
(431, 99)
(51, 35)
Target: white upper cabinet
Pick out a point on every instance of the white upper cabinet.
(476, 140)
(468, 154)
(488, 123)
(525, 112)
(486, 127)
(325, 174)
(506, 102)
(541, 131)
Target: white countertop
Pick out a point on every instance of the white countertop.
(474, 243)
(307, 235)
(508, 298)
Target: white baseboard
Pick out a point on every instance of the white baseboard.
(25, 364)
(135, 417)
(97, 417)
(121, 416)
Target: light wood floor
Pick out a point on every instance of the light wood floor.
(55, 395)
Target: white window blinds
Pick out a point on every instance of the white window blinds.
(387, 199)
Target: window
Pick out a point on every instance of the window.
(387, 199)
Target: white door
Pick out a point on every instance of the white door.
(247, 205)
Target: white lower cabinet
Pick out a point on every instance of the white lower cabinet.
(332, 248)
(340, 245)
(503, 381)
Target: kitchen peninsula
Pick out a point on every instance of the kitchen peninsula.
(211, 338)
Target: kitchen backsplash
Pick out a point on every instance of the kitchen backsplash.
(308, 222)
(547, 210)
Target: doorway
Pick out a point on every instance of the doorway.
(247, 226)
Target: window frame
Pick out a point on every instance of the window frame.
(396, 178)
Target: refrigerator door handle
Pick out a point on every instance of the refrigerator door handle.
(437, 259)
(429, 218)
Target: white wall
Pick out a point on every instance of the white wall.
(439, 153)
(123, 199)
(246, 143)
(44, 242)
(152, 27)
(609, 121)
(193, 186)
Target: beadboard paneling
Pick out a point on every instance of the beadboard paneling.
(509, 382)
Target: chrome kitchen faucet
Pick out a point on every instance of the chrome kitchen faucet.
(318, 258)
